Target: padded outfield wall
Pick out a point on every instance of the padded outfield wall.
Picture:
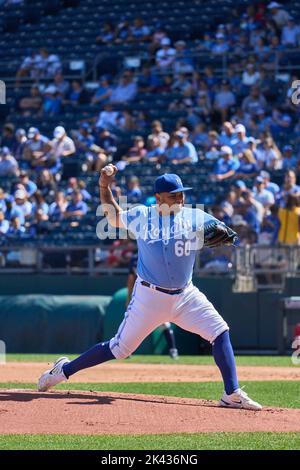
(43, 313)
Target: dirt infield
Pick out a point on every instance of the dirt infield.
(30, 412)
(20, 372)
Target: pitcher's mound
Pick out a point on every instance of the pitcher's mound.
(76, 412)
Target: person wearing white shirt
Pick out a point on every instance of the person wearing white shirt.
(166, 55)
(250, 76)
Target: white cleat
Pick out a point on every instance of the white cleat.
(239, 399)
(53, 376)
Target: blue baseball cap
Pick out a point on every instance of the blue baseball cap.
(169, 183)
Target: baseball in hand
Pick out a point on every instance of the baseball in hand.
(109, 170)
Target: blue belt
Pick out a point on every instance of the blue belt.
(160, 289)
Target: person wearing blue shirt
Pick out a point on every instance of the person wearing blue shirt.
(240, 142)
(29, 185)
(181, 152)
(289, 161)
(226, 166)
(77, 207)
(270, 186)
(168, 236)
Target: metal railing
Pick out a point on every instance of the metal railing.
(259, 261)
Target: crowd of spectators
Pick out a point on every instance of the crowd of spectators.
(243, 122)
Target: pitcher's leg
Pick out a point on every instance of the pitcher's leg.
(224, 358)
(96, 355)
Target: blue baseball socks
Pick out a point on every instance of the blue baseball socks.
(224, 358)
(96, 355)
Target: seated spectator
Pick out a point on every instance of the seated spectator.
(62, 86)
(166, 55)
(28, 184)
(76, 96)
(268, 155)
(13, 210)
(139, 31)
(290, 34)
(21, 200)
(137, 152)
(15, 228)
(62, 146)
(46, 184)
(220, 47)
(179, 152)
(183, 61)
(200, 136)
(52, 102)
(8, 138)
(226, 166)
(254, 102)
(289, 159)
(31, 105)
(281, 122)
(157, 131)
(108, 118)
(203, 108)
(39, 204)
(270, 227)
(36, 149)
(77, 207)
(250, 77)
(289, 217)
(84, 138)
(262, 195)
(8, 164)
(155, 152)
(103, 92)
(224, 100)
(185, 140)
(228, 203)
(40, 223)
(148, 81)
(58, 208)
(126, 89)
(4, 224)
(248, 166)
(122, 31)
(21, 140)
(182, 85)
(270, 186)
(126, 120)
(240, 142)
(26, 67)
(278, 14)
(134, 192)
(289, 187)
(107, 34)
(75, 185)
(53, 66)
(227, 134)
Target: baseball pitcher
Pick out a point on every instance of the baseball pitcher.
(168, 235)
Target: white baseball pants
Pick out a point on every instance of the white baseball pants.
(149, 308)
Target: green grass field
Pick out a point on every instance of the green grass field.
(277, 393)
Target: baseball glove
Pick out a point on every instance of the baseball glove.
(216, 233)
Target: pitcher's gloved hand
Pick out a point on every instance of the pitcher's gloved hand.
(217, 233)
